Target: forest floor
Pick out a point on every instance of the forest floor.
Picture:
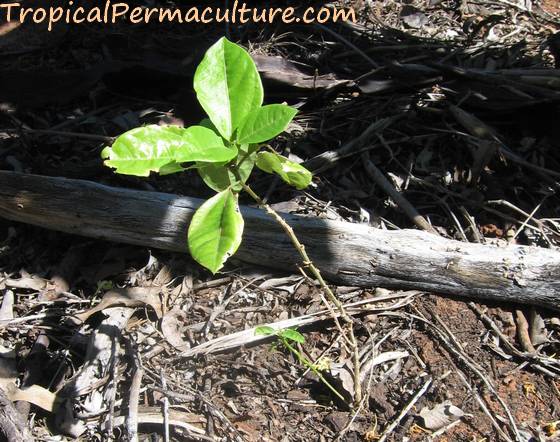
(107, 332)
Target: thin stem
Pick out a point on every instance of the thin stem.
(301, 249)
(308, 263)
(307, 363)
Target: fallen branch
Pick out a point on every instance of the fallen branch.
(350, 254)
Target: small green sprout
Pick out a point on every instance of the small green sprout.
(103, 286)
(287, 337)
(224, 149)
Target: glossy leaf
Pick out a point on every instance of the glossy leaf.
(218, 177)
(215, 231)
(292, 173)
(265, 123)
(264, 330)
(143, 149)
(156, 148)
(292, 335)
(203, 144)
(228, 86)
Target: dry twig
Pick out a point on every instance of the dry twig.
(421, 392)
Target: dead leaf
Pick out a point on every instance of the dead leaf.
(8, 27)
(289, 284)
(7, 308)
(180, 419)
(27, 281)
(440, 416)
(337, 420)
(372, 86)
(476, 127)
(173, 327)
(35, 394)
(8, 372)
(344, 373)
(537, 329)
(280, 70)
(163, 277)
(482, 156)
(144, 275)
(128, 297)
(380, 359)
(413, 17)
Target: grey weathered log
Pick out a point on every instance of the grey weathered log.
(350, 254)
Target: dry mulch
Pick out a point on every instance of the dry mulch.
(398, 66)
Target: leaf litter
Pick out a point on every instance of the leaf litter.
(459, 111)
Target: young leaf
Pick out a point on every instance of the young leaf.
(143, 149)
(153, 148)
(207, 123)
(218, 177)
(265, 123)
(292, 173)
(292, 335)
(215, 231)
(228, 86)
(264, 330)
(202, 144)
(171, 168)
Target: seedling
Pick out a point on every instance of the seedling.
(223, 149)
(289, 336)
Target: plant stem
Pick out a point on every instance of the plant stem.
(301, 249)
(308, 263)
(307, 363)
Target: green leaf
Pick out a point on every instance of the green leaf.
(203, 144)
(218, 177)
(215, 230)
(292, 173)
(228, 86)
(171, 168)
(265, 123)
(264, 330)
(144, 149)
(292, 335)
(207, 123)
(160, 148)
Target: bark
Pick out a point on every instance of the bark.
(346, 253)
